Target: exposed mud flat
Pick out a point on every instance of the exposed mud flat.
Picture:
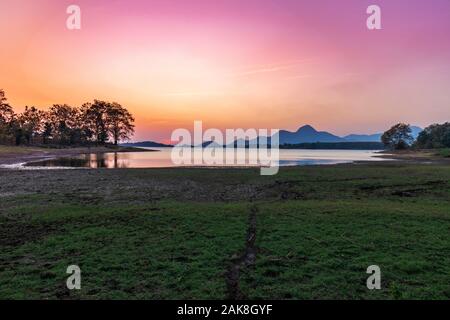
(16, 157)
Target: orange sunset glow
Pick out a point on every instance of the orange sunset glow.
(262, 64)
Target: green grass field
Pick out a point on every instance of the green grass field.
(175, 234)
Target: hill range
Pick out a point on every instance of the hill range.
(304, 135)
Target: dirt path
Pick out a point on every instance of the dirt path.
(245, 260)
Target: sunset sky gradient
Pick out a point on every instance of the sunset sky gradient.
(233, 63)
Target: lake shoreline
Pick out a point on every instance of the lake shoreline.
(414, 156)
(21, 157)
(11, 156)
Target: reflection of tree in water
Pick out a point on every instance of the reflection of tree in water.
(96, 160)
(91, 160)
(119, 161)
(110, 160)
(62, 162)
(122, 160)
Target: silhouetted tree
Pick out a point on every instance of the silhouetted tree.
(6, 111)
(398, 137)
(6, 118)
(30, 122)
(47, 129)
(434, 136)
(120, 122)
(3, 100)
(2, 97)
(65, 123)
(95, 119)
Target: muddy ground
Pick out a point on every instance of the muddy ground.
(17, 155)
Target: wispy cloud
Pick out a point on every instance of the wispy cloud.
(249, 71)
(192, 93)
(300, 76)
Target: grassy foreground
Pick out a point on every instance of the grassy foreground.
(168, 234)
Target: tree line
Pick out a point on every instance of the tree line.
(353, 145)
(434, 136)
(99, 122)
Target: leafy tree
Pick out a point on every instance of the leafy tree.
(30, 122)
(95, 119)
(47, 130)
(64, 121)
(2, 97)
(398, 137)
(63, 124)
(6, 111)
(6, 118)
(434, 136)
(120, 122)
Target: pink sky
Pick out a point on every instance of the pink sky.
(233, 63)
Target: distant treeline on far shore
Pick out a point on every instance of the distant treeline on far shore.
(313, 146)
(99, 122)
(399, 136)
(336, 146)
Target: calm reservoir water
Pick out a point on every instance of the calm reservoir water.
(162, 158)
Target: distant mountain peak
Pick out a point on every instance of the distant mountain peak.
(376, 137)
(307, 134)
(304, 134)
(306, 128)
(145, 144)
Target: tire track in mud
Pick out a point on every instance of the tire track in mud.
(245, 260)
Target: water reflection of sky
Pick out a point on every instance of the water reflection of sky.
(162, 158)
